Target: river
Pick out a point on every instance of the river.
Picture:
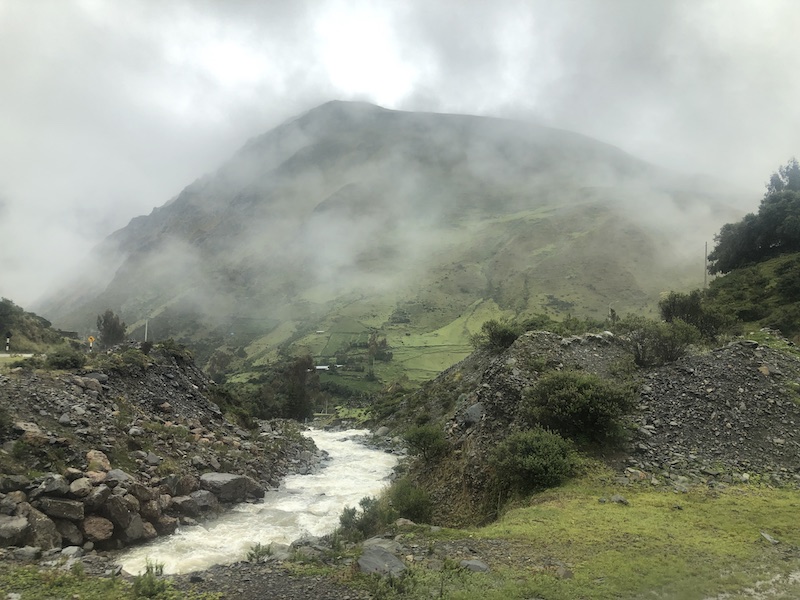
(304, 505)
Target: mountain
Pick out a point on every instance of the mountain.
(352, 218)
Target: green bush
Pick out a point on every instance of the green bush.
(258, 552)
(410, 501)
(356, 525)
(64, 357)
(150, 584)
(691, 308)
(427, 441)
(655, 343)
(533, 459)
(579, 405)
(496, 335)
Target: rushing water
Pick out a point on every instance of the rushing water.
(304, 504)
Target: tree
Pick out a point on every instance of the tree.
(773, 231)
(112, 331)
(787, 178)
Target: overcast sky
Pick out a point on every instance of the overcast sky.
(109, 108)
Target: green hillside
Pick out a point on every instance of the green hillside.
(414, 227)
(30, 333)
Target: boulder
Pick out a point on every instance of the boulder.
(52, 485)
(117, 511)
(134, 531)
(42, 532)
(377, 560)
(81, 487)
(117, 477)
(70, 533)
(166, 525)
(206, 501)
(61, 508)
(13, 530)
(148, 531)
(98, 461)
(186, 505)
(13, 483)
(97, 528)
(229, 487)
(141, 492)
(150, 510)
(475, 565)
(97, 497)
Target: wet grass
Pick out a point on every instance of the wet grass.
(572, 542)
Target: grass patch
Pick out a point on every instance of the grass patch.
(662, 544)
(32, 583)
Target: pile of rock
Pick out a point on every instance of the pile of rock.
(107, 508)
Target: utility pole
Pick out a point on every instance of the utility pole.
(145, 329)
(705, 268)
(8, 340)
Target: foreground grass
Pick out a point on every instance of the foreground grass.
(566, 543)
(667, 545)
(32, 583)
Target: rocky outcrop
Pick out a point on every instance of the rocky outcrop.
(710, 418)
(144, 450)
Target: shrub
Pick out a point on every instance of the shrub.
(655, 343)
(690, 308)
(533, 459)
(410, 501)
(64, 357)
(149, 584)
(427, 441)
(496, 335)
(579, 405)
(258, 552)
(374, 515)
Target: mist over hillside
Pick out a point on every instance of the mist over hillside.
(412, 223)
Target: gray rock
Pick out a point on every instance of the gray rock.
(619, 499)
(12, 530)
(382, 431)
(117, 476)
(117, 511)
(473, 414)
(72, 551)
(186, 505)
(206, 501)
(101, 377)
(377, 560)
(475, 565)
(13, 483)
(384, 543)
(27, 553)
(70, 533)
(81, 487)
(134, 531)
(153, 459)
(229, 487)
(97, 497)
(42, 532)
(53, 484)
(61, 508)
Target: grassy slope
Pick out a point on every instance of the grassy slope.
(661, 545)
(548, 260)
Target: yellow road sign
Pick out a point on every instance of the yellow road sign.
(91, 339)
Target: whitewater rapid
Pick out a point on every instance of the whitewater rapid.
(304, 505)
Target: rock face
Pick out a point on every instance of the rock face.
(709, 418)
(91, 417)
